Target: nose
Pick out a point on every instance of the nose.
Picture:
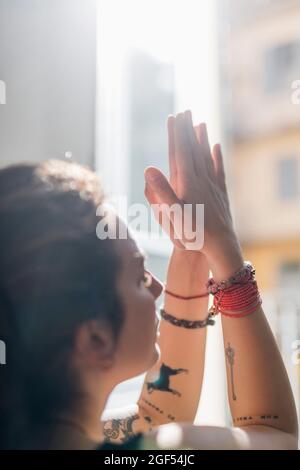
(156, 287)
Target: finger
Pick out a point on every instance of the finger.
(160, 195)
(219, 166)
(195, 148)
(171, 145)
(150, 195)
(154, 203)
(183, 154)
(160, 186)
(196, 128)
(200, 161)
(205, 147)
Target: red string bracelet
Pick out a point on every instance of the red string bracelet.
(235, 297)
(182, 297)
(241, 315)
(237, 301)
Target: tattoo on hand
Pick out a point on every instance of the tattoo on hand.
(119, 429)
(162, 383)
(230, 354)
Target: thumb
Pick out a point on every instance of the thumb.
(159, 185)
(159, 192)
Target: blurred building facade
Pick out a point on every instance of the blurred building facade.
(259, 74)
(261, 62)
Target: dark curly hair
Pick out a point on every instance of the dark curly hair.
(54, 275)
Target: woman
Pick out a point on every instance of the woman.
(78, 313)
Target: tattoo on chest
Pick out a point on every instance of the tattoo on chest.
(119, 428)
(230, 355)
(162, 383)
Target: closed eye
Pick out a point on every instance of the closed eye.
(147, 279)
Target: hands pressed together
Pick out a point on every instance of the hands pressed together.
(196, 177)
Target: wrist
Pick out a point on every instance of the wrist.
(187, 276)
(187, 272)
(224, 262)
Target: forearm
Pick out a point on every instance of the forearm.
(258, 386)
(181, 348)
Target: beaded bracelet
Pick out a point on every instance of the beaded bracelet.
(236, 297)
(242, 276)
(189, 324)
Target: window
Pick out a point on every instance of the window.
(288, 179)
(281, 66)
(151, 99)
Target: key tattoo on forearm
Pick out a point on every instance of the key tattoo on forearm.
(230, 355)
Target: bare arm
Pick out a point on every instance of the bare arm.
(260, 396)
(258, 386)
(259, 390)
(172, 387)
(175, 397)
(182, 350)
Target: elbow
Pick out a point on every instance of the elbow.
(290, 442)
(263, 437)
(281, 435)
(292, 431)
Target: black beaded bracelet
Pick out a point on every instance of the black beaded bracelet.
(189, 324)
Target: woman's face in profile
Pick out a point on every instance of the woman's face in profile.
(137, 348)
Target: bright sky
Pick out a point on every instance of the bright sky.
(160, 27)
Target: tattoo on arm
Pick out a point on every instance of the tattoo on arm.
(230, 354)
(244, 419)
(162, 383)
(158, 410)
(120, 429)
